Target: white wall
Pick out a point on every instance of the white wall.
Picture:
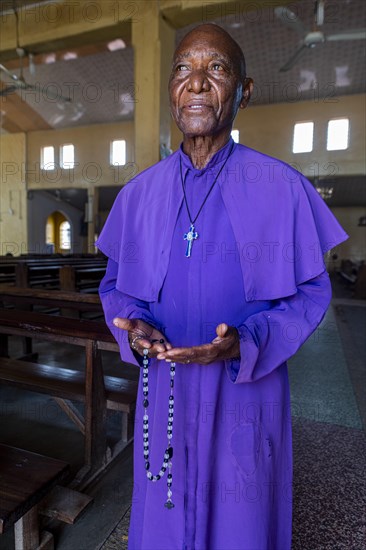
(269, 129)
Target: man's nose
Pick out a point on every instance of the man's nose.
(198, 82)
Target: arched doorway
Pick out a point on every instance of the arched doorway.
(58, 232)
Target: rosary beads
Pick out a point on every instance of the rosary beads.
(168, 454)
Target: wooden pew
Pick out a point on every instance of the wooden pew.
(93, 388)
(69, 304)
(41, 270)
(27, 276)
(55, 299)
(75, 277)
(25, 479)
(7, 273)
(82, 279)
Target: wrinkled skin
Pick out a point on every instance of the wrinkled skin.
(207, 86)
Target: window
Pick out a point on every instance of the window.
(67, 156)
(235, 135)
(65, 235)
(118, 152)
(303, 137)
(337, 135)
(50, 231)
(48, 158)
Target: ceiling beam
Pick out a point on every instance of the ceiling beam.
(59, 55)
(18, 116)
(180, 13)
(48, 26)
(9, 125)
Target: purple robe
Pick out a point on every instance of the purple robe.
(256, 265)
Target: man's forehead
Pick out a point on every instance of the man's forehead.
(212, 42)
(201, 52)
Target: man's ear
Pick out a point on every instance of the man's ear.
(247, 92)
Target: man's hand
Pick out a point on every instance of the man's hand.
(141, 335)
(226, 345)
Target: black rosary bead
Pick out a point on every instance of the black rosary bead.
(169, 450)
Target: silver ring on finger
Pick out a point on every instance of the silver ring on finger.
(134, 340)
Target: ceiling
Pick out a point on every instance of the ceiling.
(342, 190)
(78, 197)
(100, 81)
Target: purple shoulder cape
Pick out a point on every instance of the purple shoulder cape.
(281, 224)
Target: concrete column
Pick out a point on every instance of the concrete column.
(92, 213)
(13, 195)
(153, 40)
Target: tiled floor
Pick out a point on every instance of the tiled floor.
(328, 407)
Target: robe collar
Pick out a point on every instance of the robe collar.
(214, 163)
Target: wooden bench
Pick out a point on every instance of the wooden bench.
(34, 270)
(66, 383)
(25, 479)
(92, 387)
(77, 276)
(81, 278)
(69, 304)
(7, 273)
(54, 299)
(29, 276)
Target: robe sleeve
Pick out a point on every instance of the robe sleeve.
(269, 338)
(117, 304)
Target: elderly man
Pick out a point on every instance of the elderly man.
(215, 278)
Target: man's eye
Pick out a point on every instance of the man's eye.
(217, 67)
(182, 68)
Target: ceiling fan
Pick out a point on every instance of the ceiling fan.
(310, 39)
(18, 82)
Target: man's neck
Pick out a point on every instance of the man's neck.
(201, 149)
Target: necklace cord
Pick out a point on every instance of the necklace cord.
(183, 180)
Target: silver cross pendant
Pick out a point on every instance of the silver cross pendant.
(191, 236)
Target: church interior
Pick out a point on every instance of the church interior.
(84, 108)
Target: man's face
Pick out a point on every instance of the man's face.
(205, 86)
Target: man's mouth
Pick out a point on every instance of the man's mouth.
(196, 106)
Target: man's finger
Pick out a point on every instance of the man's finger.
(141, 343)
(125, 324)
(160, 347)
(221, 330)
(183, 354)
